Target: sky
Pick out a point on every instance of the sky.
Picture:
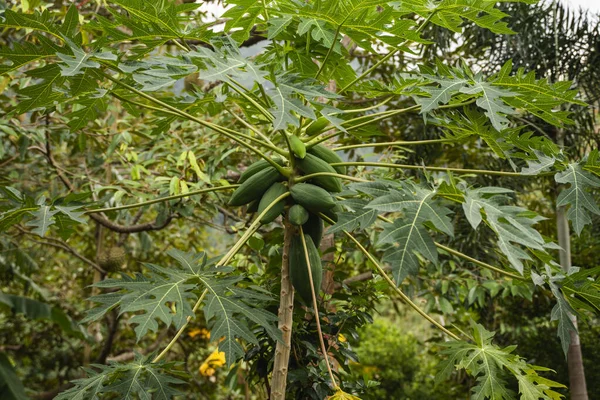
(592, 5)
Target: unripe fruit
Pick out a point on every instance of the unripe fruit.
(275, 191)
(298, 268)
(312, 164)
(297, 146)
(312, 197)
(254, 187)
(297, 215)
(112, 258)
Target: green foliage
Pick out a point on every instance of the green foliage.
(403, 365)
(35, 309)
(163, 295)
(510, 223)
(489, 364)
(144, 105)
(581, 203)
(11, 387)
(138, 379)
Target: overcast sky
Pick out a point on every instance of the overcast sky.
(592, 5)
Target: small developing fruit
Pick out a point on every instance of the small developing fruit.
(297, 146)
(297, 215)
(112, 258)
(317, 126)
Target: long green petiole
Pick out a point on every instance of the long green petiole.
(480, 263)
(259, 107)
(403, 296)
(316, 310)
(341, 176)
(396, 143)
(427, 168)
(161, 199)
(207, 124)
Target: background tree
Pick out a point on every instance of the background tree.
(96, 103)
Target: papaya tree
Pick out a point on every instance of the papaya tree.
(292, 111)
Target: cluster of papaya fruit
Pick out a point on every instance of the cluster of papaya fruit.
(261, 184)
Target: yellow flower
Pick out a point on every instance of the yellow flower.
(341, 395)
(202, 332)
(342, 338)
(212, 362)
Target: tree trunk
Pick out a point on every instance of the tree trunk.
(577, 385)
(285, 315)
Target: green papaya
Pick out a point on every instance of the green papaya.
(312, 164)
(312, 197)
(253, 206)
(297, 215)
(314, 228)
(298, 268)
(329, 156)
(276, 190)
(257, 167)
(297, 146)
(317, 126)
(254, 187)
(332, 213)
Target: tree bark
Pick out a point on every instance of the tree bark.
(577, 384)
(285, 315)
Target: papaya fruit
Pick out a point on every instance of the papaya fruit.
(254, 187)
(332, 213)
(312, 164)
(253, 206)
(311, 197)
(276, 190)
(298, 268)
(314, 228)
(297, 215)
(297, 146)
(257, 167)
(317, 126)
(329, 156)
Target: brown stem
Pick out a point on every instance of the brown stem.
(286, 311)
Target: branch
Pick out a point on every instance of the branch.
(150, 226)
(64, 246)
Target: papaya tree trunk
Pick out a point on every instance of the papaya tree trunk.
(577, 385)
(285, 315)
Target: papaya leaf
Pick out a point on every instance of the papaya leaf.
(407, 235)
(577, 196)
(511, 224)
(140, 379)
(491, 365)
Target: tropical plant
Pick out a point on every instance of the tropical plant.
(286, 107)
